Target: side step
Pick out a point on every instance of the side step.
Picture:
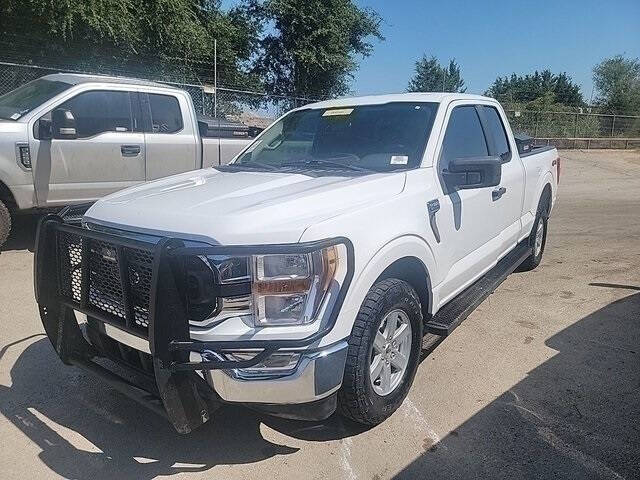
(460, 307)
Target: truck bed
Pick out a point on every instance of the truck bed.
(215, 148)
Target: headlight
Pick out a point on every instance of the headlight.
(288, 289)
(282, 289)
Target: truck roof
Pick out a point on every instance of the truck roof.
(437, 97)
(78, 78)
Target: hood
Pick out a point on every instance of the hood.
(16, 130)
(226, 207)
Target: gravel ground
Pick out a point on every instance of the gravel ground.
(541, 381)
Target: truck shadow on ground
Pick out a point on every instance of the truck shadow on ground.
(23, 233)
(574, 416)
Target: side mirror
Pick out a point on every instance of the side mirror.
(473, 172)
(44, 129)
(63, 124)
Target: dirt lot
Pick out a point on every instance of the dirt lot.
(542, 381)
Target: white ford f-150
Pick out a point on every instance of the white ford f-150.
(301, 277)
(68, 139)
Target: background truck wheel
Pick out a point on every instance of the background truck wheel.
(5, 223)
(538, 238)
(383, 354)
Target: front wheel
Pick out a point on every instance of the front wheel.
(383, 354)
(5, 223)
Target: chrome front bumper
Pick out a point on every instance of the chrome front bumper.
(317, 375)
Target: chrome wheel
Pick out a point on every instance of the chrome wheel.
(539, 238)
(391, 351)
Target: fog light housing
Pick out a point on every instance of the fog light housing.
(279, 362)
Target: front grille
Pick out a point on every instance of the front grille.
(116, 277)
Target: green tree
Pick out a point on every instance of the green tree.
(310, 46)
(617, 83)
(430, 76)
(539, 90)
(158, 37)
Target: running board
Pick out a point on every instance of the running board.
(460, 307)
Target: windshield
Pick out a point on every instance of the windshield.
(370, 137)
(22, 100)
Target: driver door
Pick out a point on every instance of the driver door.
(106, 153)
(468, 220)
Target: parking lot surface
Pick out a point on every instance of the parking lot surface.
(541, 381)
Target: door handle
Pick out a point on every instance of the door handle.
(130, 150)
(498, 192)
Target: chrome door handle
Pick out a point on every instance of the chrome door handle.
(130, 150)
(498, 192)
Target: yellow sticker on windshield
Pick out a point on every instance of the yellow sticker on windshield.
(337, 112)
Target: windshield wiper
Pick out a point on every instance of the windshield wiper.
(325, 163)
(252, 164)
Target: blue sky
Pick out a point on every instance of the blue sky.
(490, 38)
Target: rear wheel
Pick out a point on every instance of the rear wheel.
(5, 223)
(384, 349)
(537, 239)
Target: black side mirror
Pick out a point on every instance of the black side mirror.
(63, 124)
(473, 172)
(44, 129)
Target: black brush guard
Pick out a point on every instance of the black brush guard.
(187, 398)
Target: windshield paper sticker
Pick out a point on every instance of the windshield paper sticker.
(336, 112)
(399, 160)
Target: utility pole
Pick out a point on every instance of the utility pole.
(215, 78)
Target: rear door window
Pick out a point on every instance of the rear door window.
(166, 116)
(464, 136)
(100, 111)
(497, 132)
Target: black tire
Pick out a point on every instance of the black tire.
(5, 223)
(542, 217)
(357, 399)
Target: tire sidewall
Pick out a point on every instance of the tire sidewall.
(396, 299)
(541, 217)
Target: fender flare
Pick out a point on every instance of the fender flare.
(386, 255)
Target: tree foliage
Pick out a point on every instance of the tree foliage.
(430, 76)
(125, 34)
(310, 46)
(617, 82)
(540, 90)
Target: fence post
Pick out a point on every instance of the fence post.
(535, 127)
(575, 132)
(613, 124)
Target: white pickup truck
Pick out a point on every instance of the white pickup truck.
(301, 277)
(68, 139)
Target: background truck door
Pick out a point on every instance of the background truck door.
(173, 143)
(104, 155)
(468, 221)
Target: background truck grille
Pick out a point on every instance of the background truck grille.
(117, 277)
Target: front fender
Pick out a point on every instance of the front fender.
(367, 272)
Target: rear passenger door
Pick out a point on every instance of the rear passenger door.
(171, 140)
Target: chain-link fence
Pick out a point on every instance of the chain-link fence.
(260, 109)
(574, 124)
(251, 107)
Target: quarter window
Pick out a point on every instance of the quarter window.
(464, 136)
(166, 116)
(100, 111)
(496, 131)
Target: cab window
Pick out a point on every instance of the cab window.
(99, 111)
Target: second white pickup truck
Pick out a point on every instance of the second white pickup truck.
(301, 277)
(67, 139)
